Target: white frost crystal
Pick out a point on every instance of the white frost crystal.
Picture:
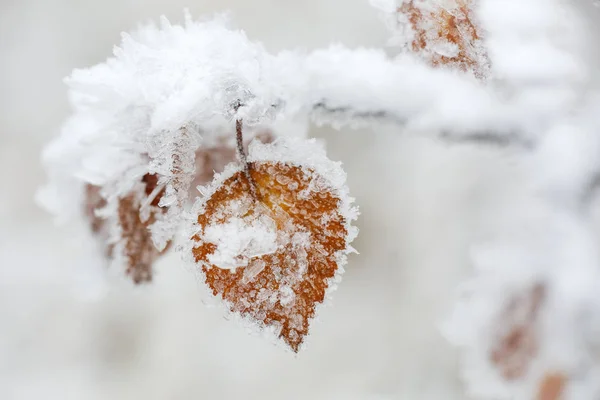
(238, 241)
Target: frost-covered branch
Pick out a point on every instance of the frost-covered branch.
(341, 116)
(504, 72)
(356, 87)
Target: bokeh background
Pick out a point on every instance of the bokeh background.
(66, 332)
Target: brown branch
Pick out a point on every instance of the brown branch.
(241, 155)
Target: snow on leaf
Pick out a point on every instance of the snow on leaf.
(445, 33)
(126, 235)
(273, 258)
(135, 241)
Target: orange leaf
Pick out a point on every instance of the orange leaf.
(446, 35)
(272, 258)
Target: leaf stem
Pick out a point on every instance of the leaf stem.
(242, 158)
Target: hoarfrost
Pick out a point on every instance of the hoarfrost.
(237, 241)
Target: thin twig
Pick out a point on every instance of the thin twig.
(347, 115)
(322, 107)
(241, 155)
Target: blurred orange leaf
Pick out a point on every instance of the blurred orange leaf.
(446, 35)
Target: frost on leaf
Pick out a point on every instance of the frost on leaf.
(136, 212)
(445, 33)
(273, 258)
(518, 344)
(135, 240)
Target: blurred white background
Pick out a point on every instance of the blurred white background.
(67, 334)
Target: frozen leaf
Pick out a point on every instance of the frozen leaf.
(517, 344)
(274, 257)
(136, 212)
(445, 33)
(135, 215)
